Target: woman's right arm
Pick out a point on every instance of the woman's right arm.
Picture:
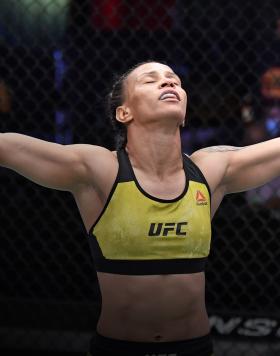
(49, 164)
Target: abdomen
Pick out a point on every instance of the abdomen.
(153, 307)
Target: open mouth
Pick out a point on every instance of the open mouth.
(169, 95)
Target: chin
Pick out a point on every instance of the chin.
(174, 115)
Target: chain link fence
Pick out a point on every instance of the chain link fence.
(57, 62)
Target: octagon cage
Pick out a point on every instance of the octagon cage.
(58, 60)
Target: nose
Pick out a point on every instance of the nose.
(167, 83)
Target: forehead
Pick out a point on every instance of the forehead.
(146, 68)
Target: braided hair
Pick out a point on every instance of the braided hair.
(115, 99)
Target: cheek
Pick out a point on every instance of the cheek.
(138, 107)
(184, 95)
(186, 101)
(143, 101)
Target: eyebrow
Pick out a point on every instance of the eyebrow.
(154, 72)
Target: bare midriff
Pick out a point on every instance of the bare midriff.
(153, 308)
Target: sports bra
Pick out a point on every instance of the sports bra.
(139, 234)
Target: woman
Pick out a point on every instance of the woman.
(147, 209)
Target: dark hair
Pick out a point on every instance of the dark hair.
(115, 99)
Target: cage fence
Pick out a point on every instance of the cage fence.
(58, 61)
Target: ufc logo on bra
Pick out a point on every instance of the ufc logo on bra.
(165, 229)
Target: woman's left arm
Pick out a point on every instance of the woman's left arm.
(235, 169)
(249, 167)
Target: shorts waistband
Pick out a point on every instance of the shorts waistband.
(196, 346)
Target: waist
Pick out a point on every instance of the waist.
(200, 346)
(155, 330)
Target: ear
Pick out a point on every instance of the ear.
(123, 114)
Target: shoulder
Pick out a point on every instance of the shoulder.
(93, 153)
(213, 162)
(213, 153)
(215, 149)
(100, 162)
(89, 149)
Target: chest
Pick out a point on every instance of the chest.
(166, 188)
(134, 226)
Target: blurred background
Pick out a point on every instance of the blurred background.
(58, 59)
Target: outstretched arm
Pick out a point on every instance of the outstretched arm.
(253, 166)
(49, 164)
(240, 168)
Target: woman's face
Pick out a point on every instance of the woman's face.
(153, 92)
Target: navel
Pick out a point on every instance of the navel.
(158, 338)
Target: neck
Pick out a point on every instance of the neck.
(156, 152)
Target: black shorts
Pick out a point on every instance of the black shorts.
(104, 346)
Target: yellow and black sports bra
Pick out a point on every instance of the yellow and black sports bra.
(138, 234)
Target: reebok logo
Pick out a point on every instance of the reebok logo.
(200, 198)
(165, 229)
